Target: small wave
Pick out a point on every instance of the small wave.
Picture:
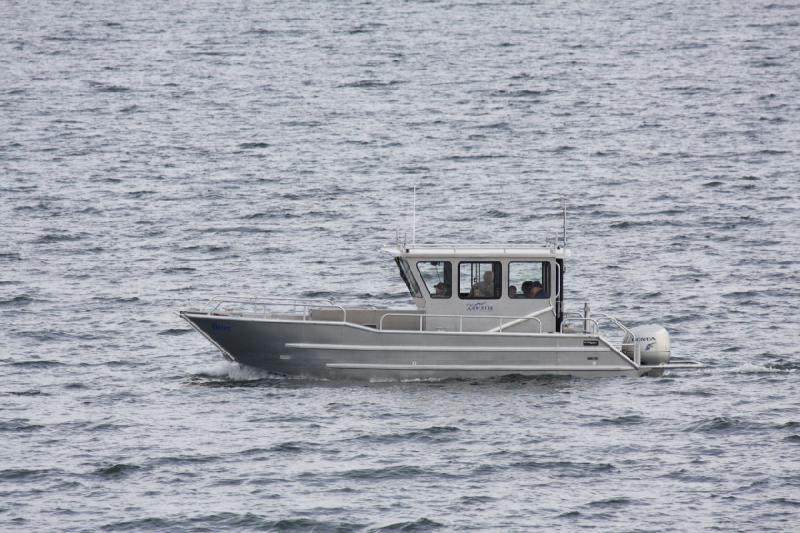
(107, 87)
(496, 213)
(36, 363)
(633, 224)
(391, 472)
(117, 470)
(785, 501)
(522, 378)
(562, 149)
(253, 145)
(716, 424)
(18, 424)
(522, 93)
(317, 294)
(184, 460)
(434, 433)
(477, 157)
(140, 194)
(619, 501)
(142, 524)
(368, 27)
(771, 152)
(171, 332)
(301, 123)
(495, 126)
(688, 90)
(566, 468)
(696, 392)
(48, 238)
(371, 84)
(177, 270)
(235, 229)
(423, 524)
(296, 196)
(742, 294)
(20, 300)
(117, 299)
(289, 447)
(476, 500)
(625, 420)
(24, 474)
(793, 439)
(10, 256)
(29, 392)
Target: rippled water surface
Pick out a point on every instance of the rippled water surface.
(155, 154)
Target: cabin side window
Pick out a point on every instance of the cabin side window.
(479, 280)
(408, 277)
(529, 279)
(437, 277)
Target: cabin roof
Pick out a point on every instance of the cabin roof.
(474, 250)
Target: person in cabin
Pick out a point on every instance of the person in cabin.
(512, 291)
(527, 288)
(537, 291)
(486, 287)
(441, 290)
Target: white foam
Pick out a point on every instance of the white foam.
(233, 371)
(752, 368)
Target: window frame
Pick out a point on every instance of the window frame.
(546, 280)
(408, 277)
(498, 283)
(448, 289)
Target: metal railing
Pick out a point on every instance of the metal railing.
(264, 307)
(513, 321)
(594, 320)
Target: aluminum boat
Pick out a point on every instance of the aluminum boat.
(480, 312)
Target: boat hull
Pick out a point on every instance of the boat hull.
(343, 350)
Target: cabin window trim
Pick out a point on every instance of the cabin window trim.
(447, 280)
(546, 280)
(408, 277)
(497, 269)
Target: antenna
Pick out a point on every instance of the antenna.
(414, 219)
(564, 206)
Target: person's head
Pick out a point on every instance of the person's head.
(536, 288)
(512, 291)
(526, 288)
(488, 276)
(440, 289)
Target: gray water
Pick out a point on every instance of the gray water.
(155, 154)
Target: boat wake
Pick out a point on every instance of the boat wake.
(232, 371)
(752, 368)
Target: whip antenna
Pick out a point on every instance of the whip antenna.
(414, 219)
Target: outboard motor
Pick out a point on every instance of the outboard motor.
(653, 341)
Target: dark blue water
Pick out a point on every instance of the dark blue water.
(155, 154)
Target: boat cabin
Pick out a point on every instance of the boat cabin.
(484, 288)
